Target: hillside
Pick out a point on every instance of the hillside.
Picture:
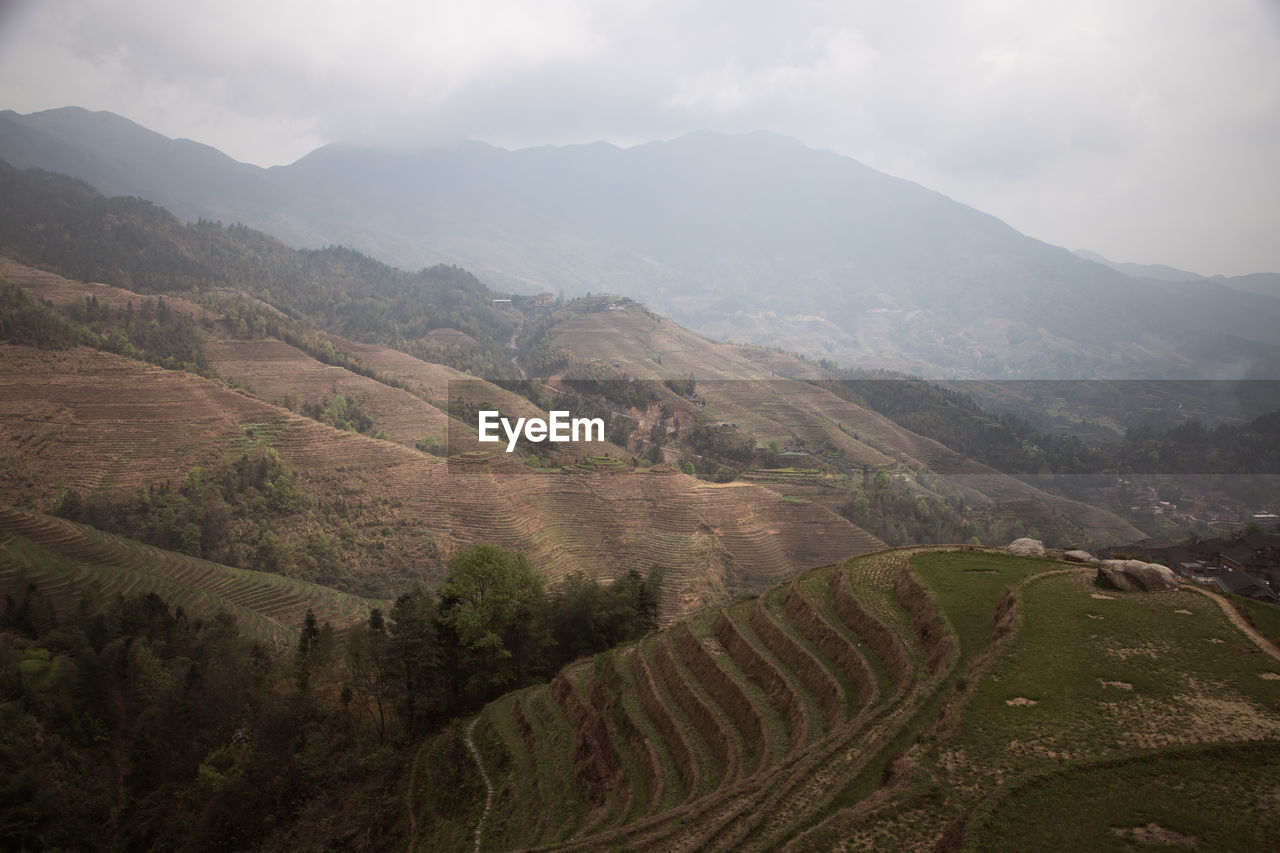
(786, 411)
(357, 532)
(754, 238)
(912, 699)
(102, 424)
(766, 394)
(68, 561)
(205, 434)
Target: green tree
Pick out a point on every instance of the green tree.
(415, 656)
(771, 454)
(861, 511)
(492, 602)
(190, 543)
(282, 498)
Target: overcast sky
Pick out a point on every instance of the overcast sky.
(1147, 130)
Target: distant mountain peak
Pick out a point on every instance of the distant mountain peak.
(1158, 272)
(745, 236)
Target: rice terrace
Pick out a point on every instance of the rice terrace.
(618, 643)
(658, 483)
(908, 699)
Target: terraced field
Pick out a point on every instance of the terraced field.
(92, 420)
(103, 424)
(765, 394)
(66, 561)
(61, 291)
(911, 699)
(100, 423)
(273, 370)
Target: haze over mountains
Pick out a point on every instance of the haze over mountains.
(218, 453)
(754, 238)
(1265, 283)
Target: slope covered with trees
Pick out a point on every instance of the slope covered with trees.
(57, 223)
(130, 722)
(910, 699)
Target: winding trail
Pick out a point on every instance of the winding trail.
(408, 800)
(1236, 619)
(512, 345)
(488, 786)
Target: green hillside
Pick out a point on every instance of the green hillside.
(909, 699)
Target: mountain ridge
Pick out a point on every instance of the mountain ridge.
(738, 236)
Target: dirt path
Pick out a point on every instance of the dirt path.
(488, 786)
(511, 344)
(408, 800)
(1237, 620)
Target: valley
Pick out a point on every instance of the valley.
(247, 507)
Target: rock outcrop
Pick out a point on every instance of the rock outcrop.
(1026, 548)
(1137, 576)
(1078, 556)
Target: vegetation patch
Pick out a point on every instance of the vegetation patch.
(1212, 798)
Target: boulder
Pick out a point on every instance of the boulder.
(1026, 548)
(1137, 576)
(1079, 556)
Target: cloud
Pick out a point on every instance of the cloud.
(1140, 129)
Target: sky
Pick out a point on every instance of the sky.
(1146, 130)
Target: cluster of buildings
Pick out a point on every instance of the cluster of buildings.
(1243, 564)
(540, 302)
(1210, 508)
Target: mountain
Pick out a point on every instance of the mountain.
(1264, 283)
(222, 401)
(1158, 272)
(119, 157)
(754, 238)
(237, 308)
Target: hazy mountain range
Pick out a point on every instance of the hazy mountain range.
(1266, 283)
(754, 238)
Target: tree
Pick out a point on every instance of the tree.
(190, 543)
(415, 655)
(368, 649)
(861, 511)
(306, 641)
(772, 452)
(492, 602)
(281, 498)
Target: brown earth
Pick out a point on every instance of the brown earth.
(764, 393)
(101, 423)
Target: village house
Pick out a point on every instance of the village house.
(1242, 583)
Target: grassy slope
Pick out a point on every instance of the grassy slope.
(1210, 798)
(1090, 675)
(1141, 692)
